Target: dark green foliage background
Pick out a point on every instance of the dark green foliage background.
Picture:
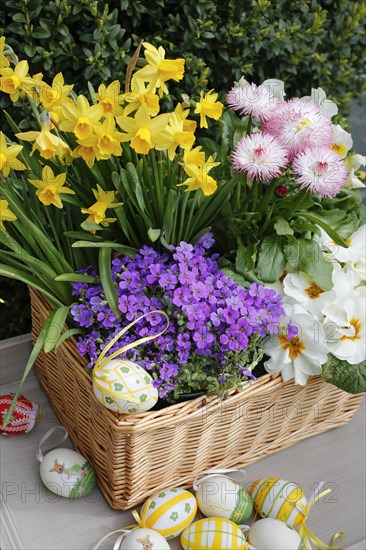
(306, 43)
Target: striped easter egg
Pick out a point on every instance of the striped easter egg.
(169, 512)
(213, 534)
(277, 498)
(221, 496)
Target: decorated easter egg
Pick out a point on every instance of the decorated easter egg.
(144, 539)
(169, 512)
(24, 415)
(276, 498)
(272, 534)
(213, 534)
(124, 387)
(221, 496)
(67, 473)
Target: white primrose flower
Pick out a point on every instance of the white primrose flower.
(342, 141)
(345, 325)
(302, 290)
(328, 107)
(298, 355)
(353, 164)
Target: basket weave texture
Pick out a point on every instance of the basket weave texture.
(136, 455)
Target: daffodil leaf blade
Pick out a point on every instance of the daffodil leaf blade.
(105, 258)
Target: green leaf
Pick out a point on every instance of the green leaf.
(238, 279)
(77, 278)
(55, 328)
(68, 334)
(306, 256)
(245, 262)
(105, 258)
(271, 259)
(126, 250)
(332, 234)
(89, 226)
(19, 275)
(350, 378)
(153, 234)
(282, 227)
(83, 236)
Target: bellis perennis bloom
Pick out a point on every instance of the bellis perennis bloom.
(299, 124)
(250, 99)
(260, 155)
(320, 171)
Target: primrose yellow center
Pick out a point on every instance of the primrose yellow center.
(10, 83)
(303, 124)
(339, 149)
(171, 69)
(356, 323)
(83, 128)
(141, 142)
(48, 195)
(3, 160)
(314, 291)
(150, 101)
(293, 346)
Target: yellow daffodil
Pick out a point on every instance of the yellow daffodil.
(105, 141)
(142, 130)
(87, 152)
(8, 157)
(199, 178)
(158, 69)
(97, 210)
(56, 95)
(4, 61)
(173, 136)
(6, 215)
(50, 187)
(208, 106)
(81, 118)
(48, 145)
(110, 98)
(194, 156)
(182, 113)
(16, 81)
(141, 96)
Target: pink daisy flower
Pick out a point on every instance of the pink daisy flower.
(257, 101)
(299, 124)
(321, 171)
(260, 155)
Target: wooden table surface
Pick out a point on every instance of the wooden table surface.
(32, 518)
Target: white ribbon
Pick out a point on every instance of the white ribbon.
(47, 435)
(214, 472)
(117, 544)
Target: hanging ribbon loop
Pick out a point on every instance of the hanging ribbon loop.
(102, 359)
(47, 435)
(119, 540)
(208, 474)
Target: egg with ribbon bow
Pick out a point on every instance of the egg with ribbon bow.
(272, 534)
(221, 496)
(279, 499)
(168, 512)
(124, 387)
(213, 534)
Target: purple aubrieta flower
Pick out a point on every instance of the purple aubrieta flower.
(210, 318)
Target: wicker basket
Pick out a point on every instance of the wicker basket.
(136, 455)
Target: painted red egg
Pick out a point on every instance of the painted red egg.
(24, 415)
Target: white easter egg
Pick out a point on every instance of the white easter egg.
(221, 496)
(169, 512)
(213, 534)
(144, 539)
(272, 534)
(67, 473)
(124, 387)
